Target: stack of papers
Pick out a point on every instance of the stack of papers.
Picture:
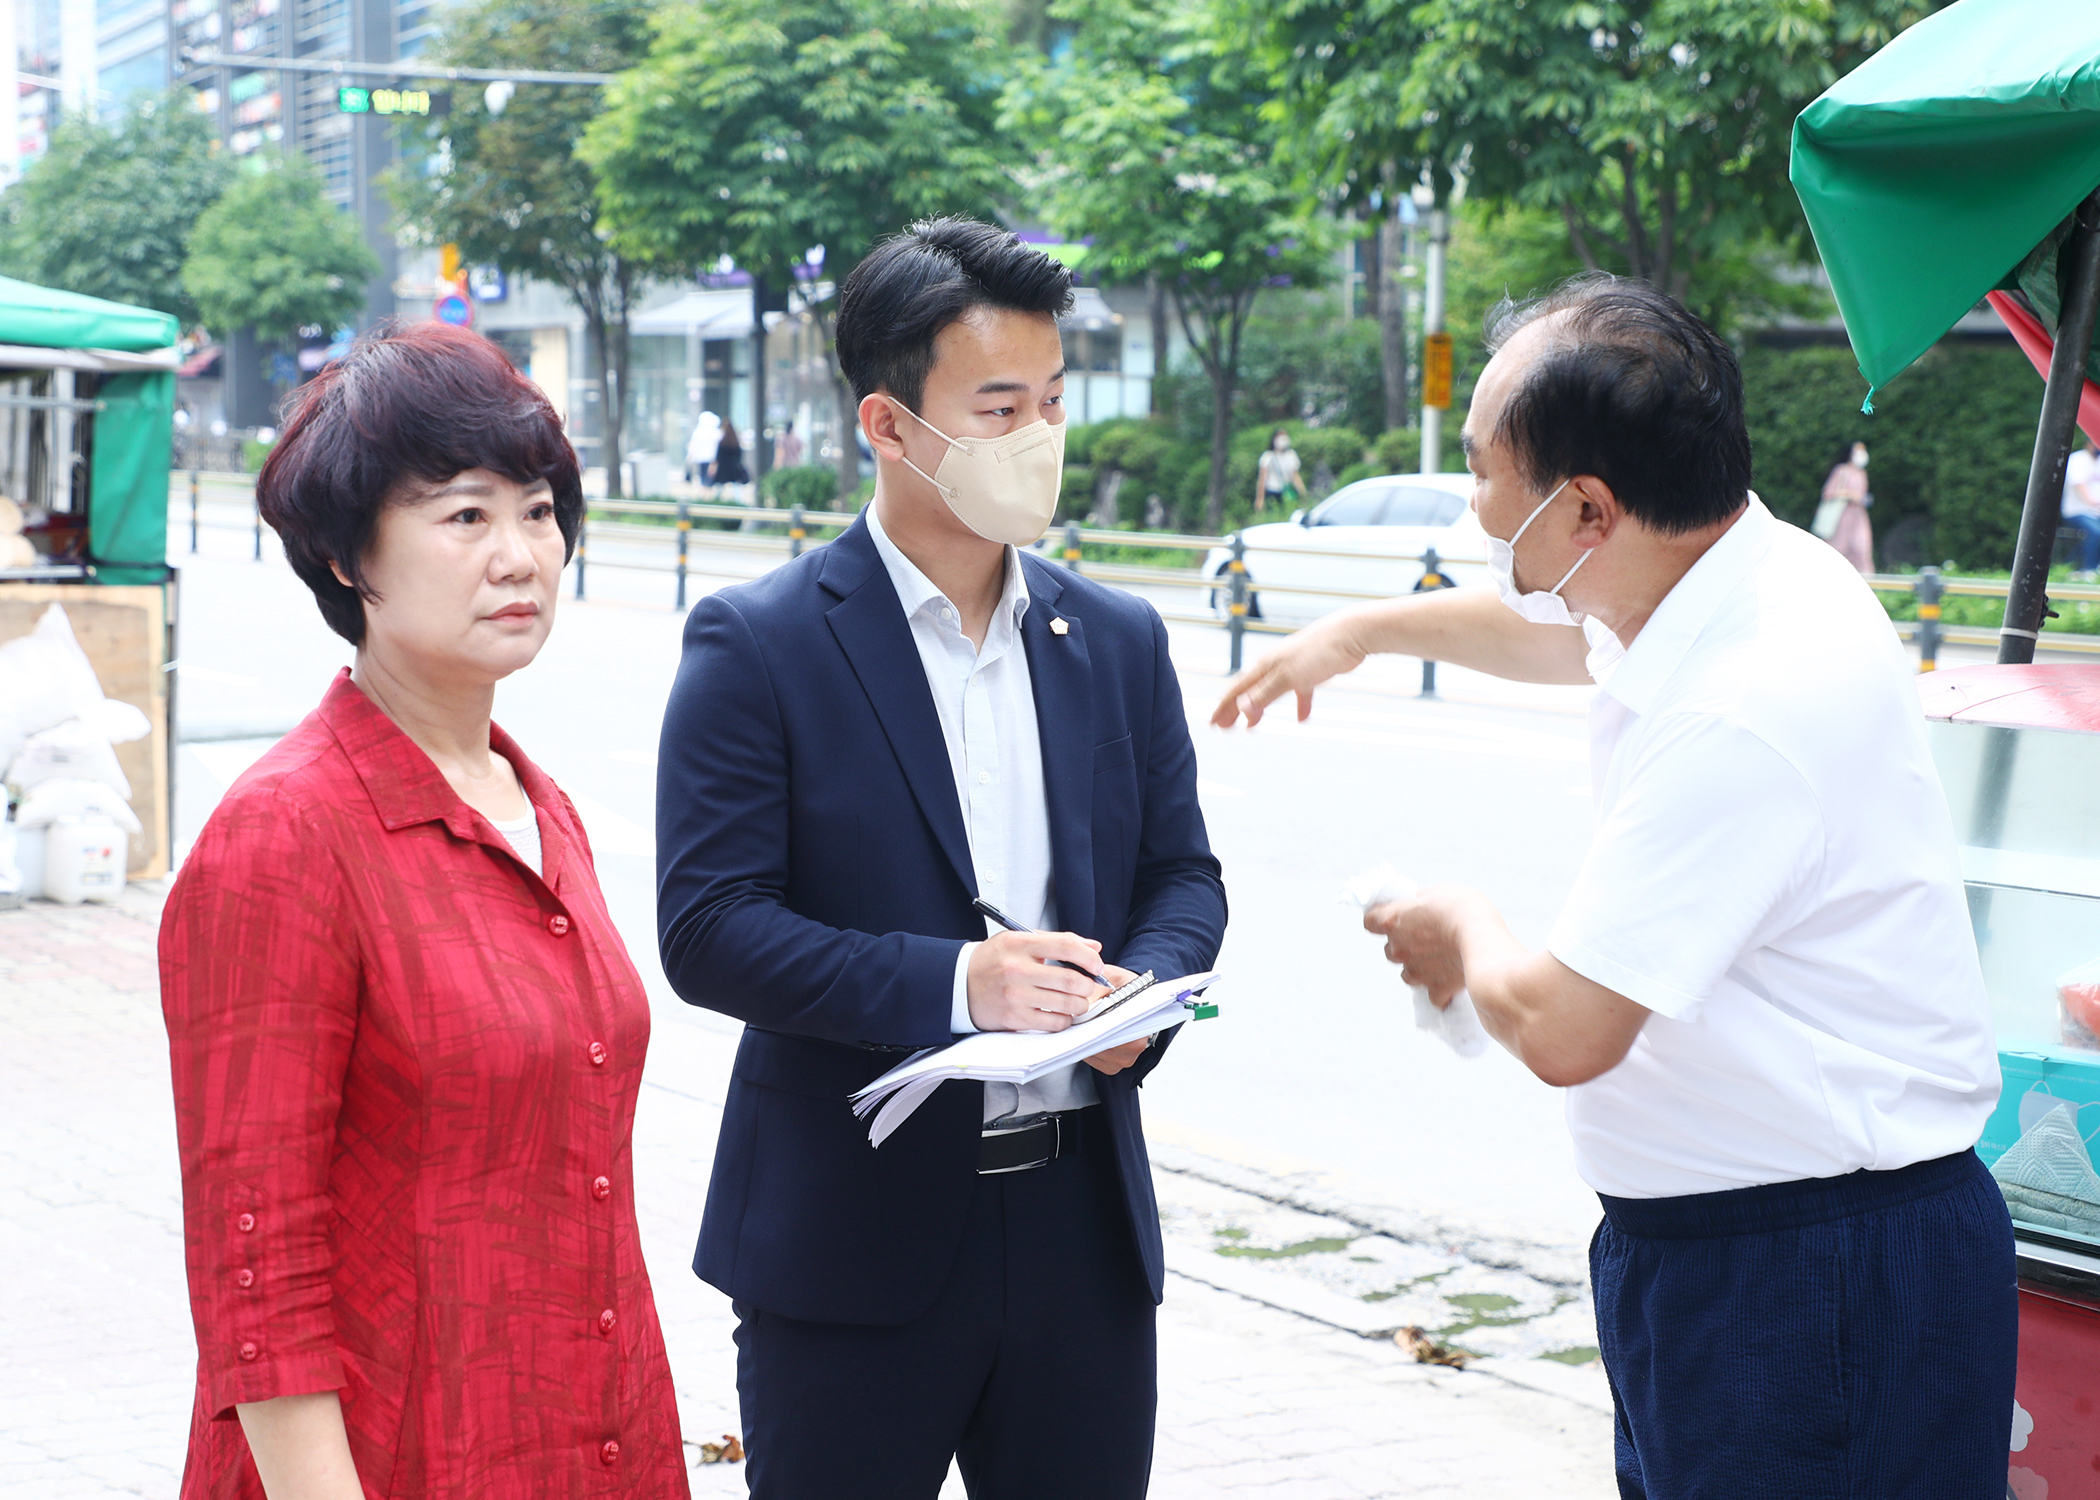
(1139, 1008)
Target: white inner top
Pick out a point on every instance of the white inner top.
(1774, 874)
(523, 836)
(986, 703)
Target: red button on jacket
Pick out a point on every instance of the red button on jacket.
(358, 1044)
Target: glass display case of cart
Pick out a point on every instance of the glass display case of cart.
(2018, 750)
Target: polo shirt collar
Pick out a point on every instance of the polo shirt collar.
(1639, 674)
(407, 788)
(915, 591)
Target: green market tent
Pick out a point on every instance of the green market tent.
(128, 478)
(1946, 165)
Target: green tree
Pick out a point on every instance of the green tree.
(509, 188)
(109, 208)
(761, 130)
(1657, 130)
(1155, 144)
(274, 254)
(1336, 67)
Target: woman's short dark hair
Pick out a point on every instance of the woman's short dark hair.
(409, 401)
(896, 302)
(1633, 389)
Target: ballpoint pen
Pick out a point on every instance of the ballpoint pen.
(1011, 925)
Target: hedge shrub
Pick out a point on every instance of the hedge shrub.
(1950, 442)
(813, 487)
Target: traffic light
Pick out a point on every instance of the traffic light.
(353, 100)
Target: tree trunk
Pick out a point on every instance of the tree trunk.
(1156, 303)
(1392, 320)
(610, 384)
(847, 457)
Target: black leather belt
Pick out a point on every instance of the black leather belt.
(1034, 1141)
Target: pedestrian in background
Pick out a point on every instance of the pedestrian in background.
(728, 467)
(1841, 517)
(787, 450)
(700, 447)
(2082, 505)
(1763, 995)
(406, 1040)
(1276, 478)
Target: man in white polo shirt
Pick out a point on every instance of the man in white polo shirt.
(1762, 996)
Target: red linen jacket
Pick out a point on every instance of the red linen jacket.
(405, 1073)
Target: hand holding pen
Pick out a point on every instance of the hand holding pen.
(1024, 980)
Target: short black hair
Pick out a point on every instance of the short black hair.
(1633, 389)
(409, 401)
(910, 287)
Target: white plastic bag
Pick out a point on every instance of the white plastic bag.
(1457, 1024)
(45, 679)
(74, 751)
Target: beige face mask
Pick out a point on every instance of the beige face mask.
(1004, 488)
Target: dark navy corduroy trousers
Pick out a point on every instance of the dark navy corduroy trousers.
(1842, 1338)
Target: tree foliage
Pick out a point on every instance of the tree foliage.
(1155, 144)
(760, 130)
(273, 253)
(1657, 130)
(108, 210)
(509, 188)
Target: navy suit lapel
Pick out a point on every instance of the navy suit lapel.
(1061, 676)
(871, 629)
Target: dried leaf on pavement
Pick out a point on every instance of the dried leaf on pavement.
(1428, 1351)
(728, 1451)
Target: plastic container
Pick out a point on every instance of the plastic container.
(84, 861)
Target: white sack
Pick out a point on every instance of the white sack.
(63, 797)
(45, 679)
(74, 751)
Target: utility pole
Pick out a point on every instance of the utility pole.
(1436, 344)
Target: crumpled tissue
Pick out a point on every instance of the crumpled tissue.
(1458, 1024)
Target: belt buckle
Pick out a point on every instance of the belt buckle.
(1015, 1127)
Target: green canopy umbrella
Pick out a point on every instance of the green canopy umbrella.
(1960, 159)
(1934, 170)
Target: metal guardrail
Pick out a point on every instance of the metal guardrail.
(1238, 619)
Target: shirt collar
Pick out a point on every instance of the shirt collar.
(405, 785)
(1637, 674)
(915, 591)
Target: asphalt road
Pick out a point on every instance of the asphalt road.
(1314, 1067)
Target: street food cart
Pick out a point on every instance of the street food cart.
(1962, 162)
(87, 401)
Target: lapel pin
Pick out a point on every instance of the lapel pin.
(1058, 627)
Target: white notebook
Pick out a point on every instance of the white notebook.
(1139, 1008)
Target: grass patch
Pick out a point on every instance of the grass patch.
(1303, 1247)
(1580, 1355)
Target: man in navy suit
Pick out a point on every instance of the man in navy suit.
(859, 744)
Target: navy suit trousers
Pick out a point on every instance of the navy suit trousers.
(1840, 1338)
(1034, 1369)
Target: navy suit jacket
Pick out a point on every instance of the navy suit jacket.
(814, 881)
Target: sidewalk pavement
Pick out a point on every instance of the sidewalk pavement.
(1269, 1384)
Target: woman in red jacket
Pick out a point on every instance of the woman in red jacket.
(406, 1039)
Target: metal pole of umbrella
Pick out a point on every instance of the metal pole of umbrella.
(2078, 286)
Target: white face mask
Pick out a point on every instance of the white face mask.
(1547, 608)
(1004, 488)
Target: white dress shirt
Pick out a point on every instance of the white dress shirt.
(1774, 875)
(986, 703)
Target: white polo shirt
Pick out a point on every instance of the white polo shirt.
(1775, 876)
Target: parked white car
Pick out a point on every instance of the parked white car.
(1365, 539)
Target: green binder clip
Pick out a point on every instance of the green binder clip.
(1202, 1012)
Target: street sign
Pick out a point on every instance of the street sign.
(352, 100)
(1436, 371)
(454, 309)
